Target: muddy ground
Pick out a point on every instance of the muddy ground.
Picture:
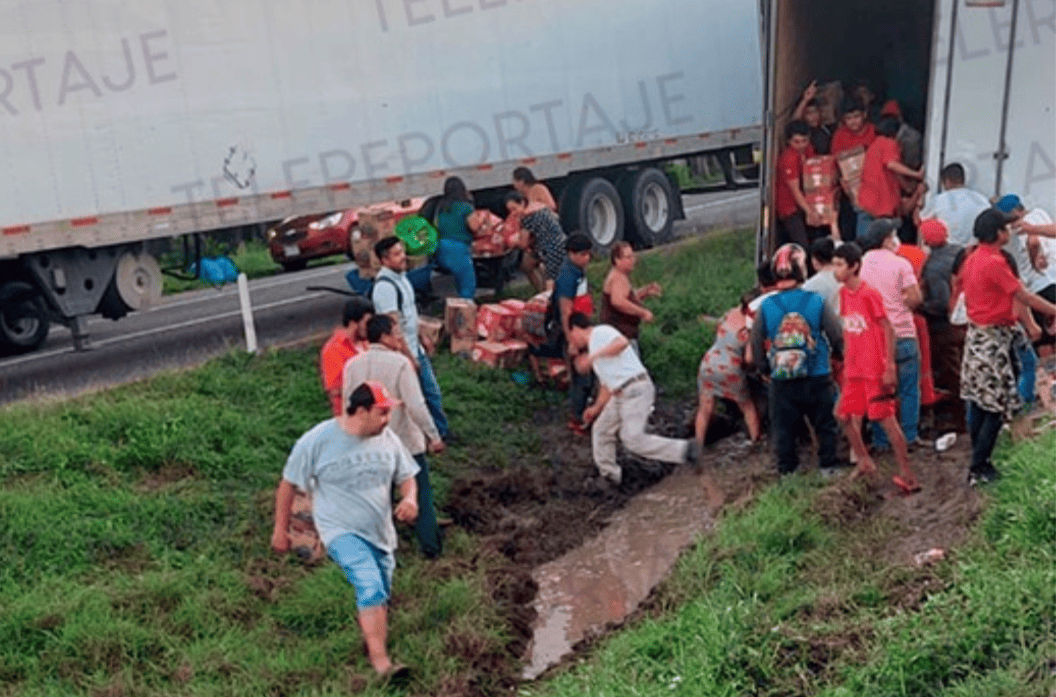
(534, 511)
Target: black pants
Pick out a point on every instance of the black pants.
(794, 228)
(983, 427)
(791, 399)
(1049, 293)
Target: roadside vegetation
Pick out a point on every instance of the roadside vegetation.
(135, 526)
(251, 258)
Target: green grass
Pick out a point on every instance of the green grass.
(135, 524)
(251, 258)
(776, 603)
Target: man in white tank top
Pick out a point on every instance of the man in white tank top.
(625, 399)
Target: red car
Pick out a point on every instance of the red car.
(294, 241)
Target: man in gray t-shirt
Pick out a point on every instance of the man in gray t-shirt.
(348, 465)
(625, 399)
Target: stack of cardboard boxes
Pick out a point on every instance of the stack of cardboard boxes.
(819, 186)
(373, 226)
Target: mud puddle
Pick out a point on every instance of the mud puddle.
(604, 580)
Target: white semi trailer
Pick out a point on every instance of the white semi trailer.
(978, 77)
(126, 122)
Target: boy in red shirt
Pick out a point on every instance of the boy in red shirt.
(869, 377)
(881, 193)
(793, 213)
(347, 341)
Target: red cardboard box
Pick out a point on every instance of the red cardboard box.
(823, 203)
(491, 245)
(851, 163)
(515, 352)
(460, 322)
(533, 318)
(495, 322)
(517, 306)
(819, 173)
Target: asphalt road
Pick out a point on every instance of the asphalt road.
(190, 328)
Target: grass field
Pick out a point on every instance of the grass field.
(135, 523)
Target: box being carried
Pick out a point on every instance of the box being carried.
(496, 323)
(822, 203)
(851, 163)
(819, 173)
(533, 318)
(460, 322)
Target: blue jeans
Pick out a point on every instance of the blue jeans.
(457, 258)
(863, 222)
(983, 427)
(1028, 368)
(907, 358)
(431, 392)
(426, 530)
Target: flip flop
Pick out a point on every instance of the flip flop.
(905, 486)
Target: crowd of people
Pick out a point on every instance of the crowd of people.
(848, 326)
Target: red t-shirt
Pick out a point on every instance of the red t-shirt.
(880, 194)
(336, 352)
(845, 139)
(864, 343)
(789, 166)
(915, 256)
(989, 286)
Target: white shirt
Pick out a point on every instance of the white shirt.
(384, 297)
(613, 371)
(958, 208)
(824, 283)
(1046, 278)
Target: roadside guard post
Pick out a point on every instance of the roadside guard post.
(247, 313)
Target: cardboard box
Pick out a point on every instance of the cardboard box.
(491, 245)
(851, 163)
(495, 322)
(533, 318)
(432, 328)
(829, 97)
(819, 173)
(517, 306)
(363, 254)
(557, 371)
(460, 322)
(823, 203)
(499, 354)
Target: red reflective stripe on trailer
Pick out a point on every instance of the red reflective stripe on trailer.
(84, 222)
(16, 230)
(163, 210)
(340, 186)
(437, 174)
(485, 167)
(281, 194)
(671, 141)
(704, 135)
(393, 180)
(529, 161)
(641, 146)
(564, 156)
(226, 202)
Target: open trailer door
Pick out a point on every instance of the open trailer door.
(993, 97)
(887, 45)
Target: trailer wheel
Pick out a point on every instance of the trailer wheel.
(649, 203)
(24, 321)
(593, 207)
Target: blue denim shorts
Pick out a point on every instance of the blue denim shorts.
(366, 567)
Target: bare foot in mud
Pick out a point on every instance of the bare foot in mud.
(864, 470)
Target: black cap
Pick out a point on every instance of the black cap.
(988, 223)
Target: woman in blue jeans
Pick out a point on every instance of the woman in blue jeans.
(454, 250)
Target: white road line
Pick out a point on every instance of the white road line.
(147, 332)
(732, 199)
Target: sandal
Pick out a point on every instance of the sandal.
(910, 487)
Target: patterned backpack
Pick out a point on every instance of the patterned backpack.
(793, 346)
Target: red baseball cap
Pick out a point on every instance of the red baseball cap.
(382, 398)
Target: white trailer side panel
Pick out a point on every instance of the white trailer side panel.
(109, 107)
(970, 111)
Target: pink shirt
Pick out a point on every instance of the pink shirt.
(890, 274)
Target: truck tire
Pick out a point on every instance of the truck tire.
(649, 204)
(593, 207)
(24, 321)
